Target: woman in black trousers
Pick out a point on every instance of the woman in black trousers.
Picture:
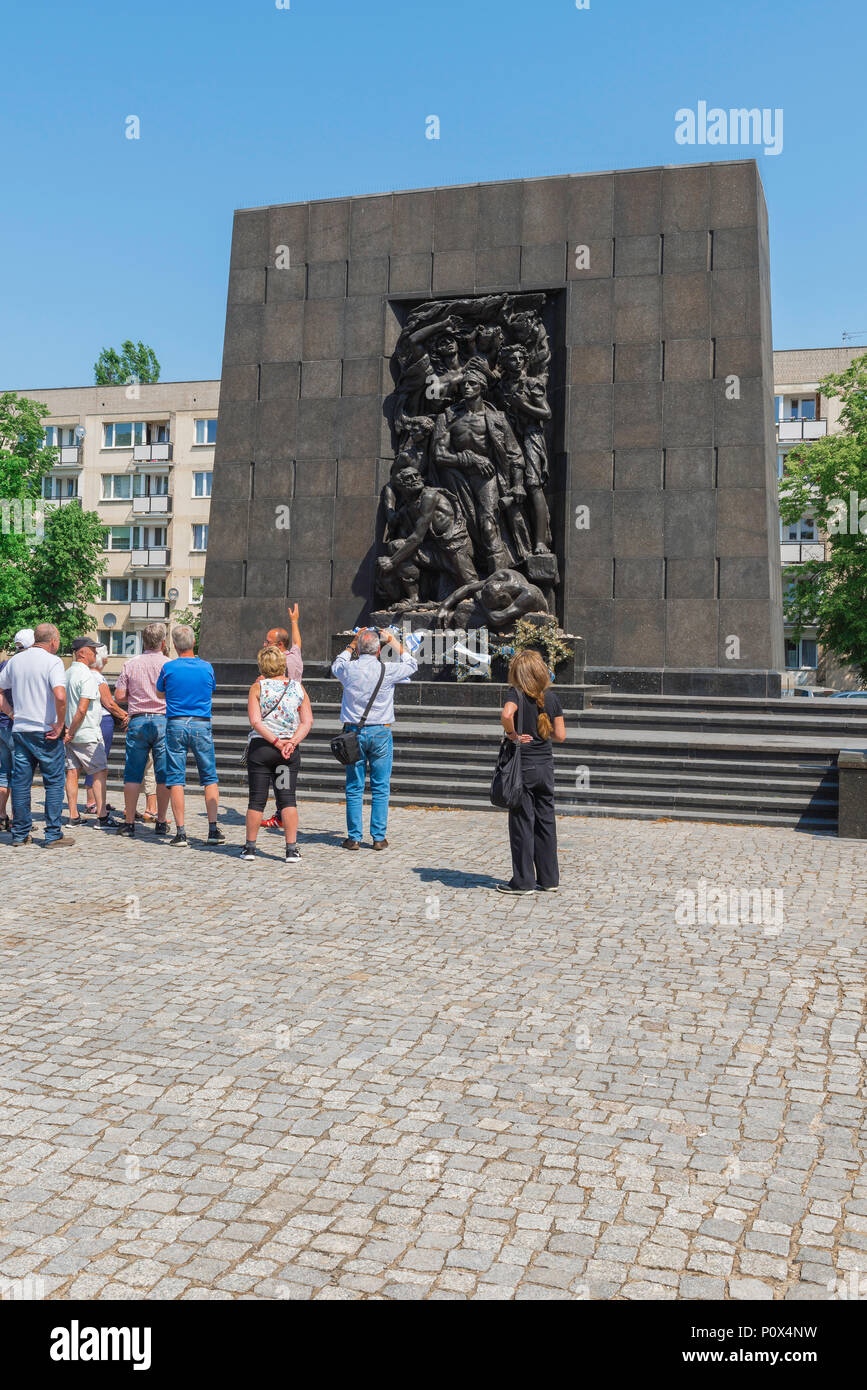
(532, 706)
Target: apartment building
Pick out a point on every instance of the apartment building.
(804, 414)
(142, 458)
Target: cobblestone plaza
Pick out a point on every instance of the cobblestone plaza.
(370, 1076)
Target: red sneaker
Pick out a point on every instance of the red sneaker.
(274, 823)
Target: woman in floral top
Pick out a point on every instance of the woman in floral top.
(280, 719)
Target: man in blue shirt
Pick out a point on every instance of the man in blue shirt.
(358, 668)
(188, 684)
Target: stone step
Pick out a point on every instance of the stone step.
(700, 718)
(599, 714)
(709, 765)
(473, 699)
(784, 706)
(620, 810)
(438, 782)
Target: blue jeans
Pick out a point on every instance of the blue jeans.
(29, 752)
(145, 733)
(187, 732)
(5, 755)
(377, 751)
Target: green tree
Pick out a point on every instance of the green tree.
(135, 362)
(186, 617)
(24, 460)
(828, 481)
(65, 570)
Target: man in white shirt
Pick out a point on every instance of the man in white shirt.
(358, 669)
(36, 681)
(83, 741)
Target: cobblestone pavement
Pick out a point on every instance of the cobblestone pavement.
(369, 1076)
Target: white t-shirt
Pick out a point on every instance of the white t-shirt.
(32, 677)
(83, 683)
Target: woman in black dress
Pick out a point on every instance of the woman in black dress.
(532, 706)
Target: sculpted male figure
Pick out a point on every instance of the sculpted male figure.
(503, 597)
(438, 542)
(429, 366)
(478, 459)
(527, 409)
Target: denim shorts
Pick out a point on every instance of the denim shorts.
(5, 755)
(187, 734)
(145, 733)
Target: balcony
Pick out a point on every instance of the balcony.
(796, 552)
(151, 506)
(68, 457)
(50, 503)
(151, 559)
(152, 453)
(793, 431)
(152, 608)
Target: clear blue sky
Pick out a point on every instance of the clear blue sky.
(241, 104)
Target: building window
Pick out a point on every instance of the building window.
(202, 484)
(781, 464)
(803, 654)
(149, 537)
(799, 408)
(151, 485)
(115, 590)
(124, 434)
(60, 436)
(206, 431)
(200, 538)
(116, 486)
(120, 643)
(56, 486)
(197, 587)
(803, 530)
(778, 408)
(117, 537)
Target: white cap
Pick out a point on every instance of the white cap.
(25, 638)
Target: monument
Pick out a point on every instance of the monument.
(461, 406)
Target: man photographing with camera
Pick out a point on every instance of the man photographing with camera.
(368, 710)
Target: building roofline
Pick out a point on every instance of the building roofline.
(836, 347)
(487, 183)
(113, 385)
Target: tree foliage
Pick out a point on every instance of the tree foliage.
(65, 571)
(136, 362)
(828, 481)
(50, 558)
(24, 460)
(187, 617)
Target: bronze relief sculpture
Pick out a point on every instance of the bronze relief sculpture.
(465, 507)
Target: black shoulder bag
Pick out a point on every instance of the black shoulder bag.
(507, 782)
(345, 746)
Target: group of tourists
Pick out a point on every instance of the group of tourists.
(60, 722)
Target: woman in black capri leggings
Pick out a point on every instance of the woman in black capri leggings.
(280, 719)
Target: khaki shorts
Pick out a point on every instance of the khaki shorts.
(86, 757)
(149, 781)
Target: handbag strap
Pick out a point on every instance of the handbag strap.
(263, 714)
(367, 708)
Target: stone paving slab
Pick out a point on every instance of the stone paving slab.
(370, 1076)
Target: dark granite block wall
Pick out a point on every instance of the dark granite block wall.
(667, 301)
